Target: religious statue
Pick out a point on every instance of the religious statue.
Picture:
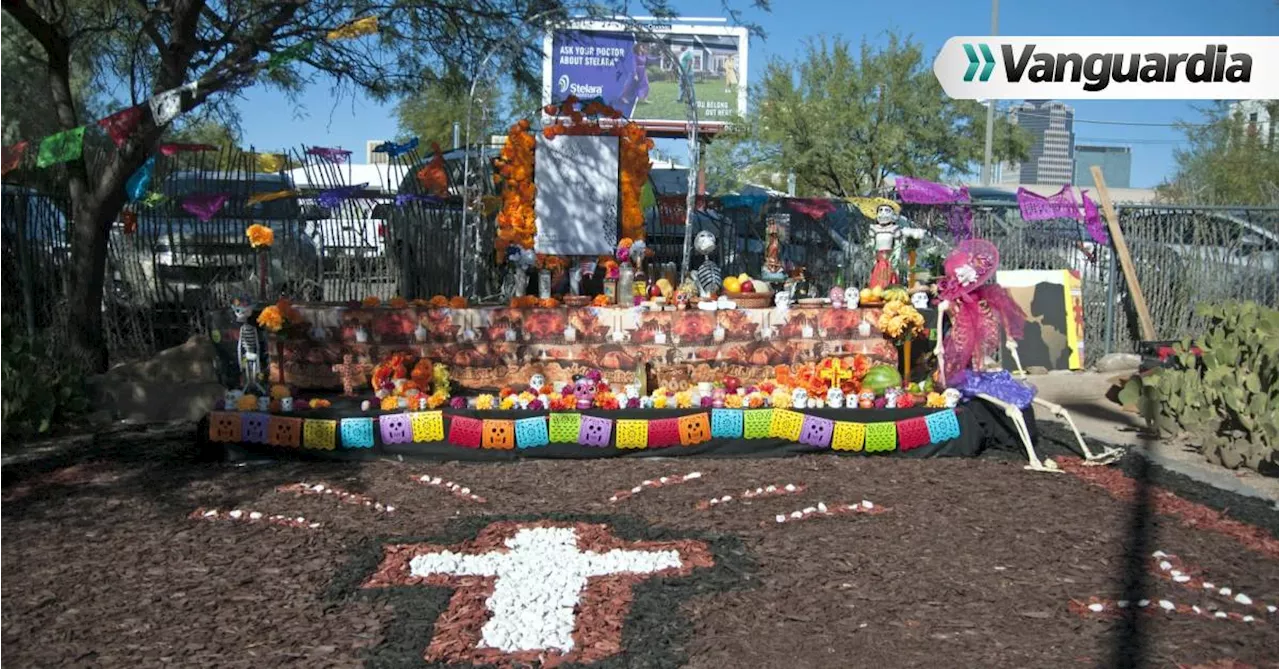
(248, 347)
(772, 270)
(886, 231)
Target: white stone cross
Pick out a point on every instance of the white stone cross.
(539, 581)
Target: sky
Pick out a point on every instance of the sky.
(1146, 126)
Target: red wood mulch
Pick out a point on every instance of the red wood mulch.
(975, 563)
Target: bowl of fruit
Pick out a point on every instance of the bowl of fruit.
(748, 292)
(875, 297)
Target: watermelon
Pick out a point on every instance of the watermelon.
(880, 377)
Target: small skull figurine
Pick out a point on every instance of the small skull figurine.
(851, 297)
(584, 392)
(837, 297)
(866, 400)
(717, 398)
(851, 401)
(815, 403)
(891, 396)
(646, 402)
(799, 398)
(920, 300)
(951, 397)
(631, 390)
(782, 299)
(835, 398)
(536, 382)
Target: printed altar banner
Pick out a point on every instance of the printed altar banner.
(650, 77)
(394, 150)
(60, 148)
(576, 205)
(1036, 207)
(137, 185)
(167, 106)
(1093, 220)
(335, 156)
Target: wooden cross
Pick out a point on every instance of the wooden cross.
(835, 373)
(352, 373)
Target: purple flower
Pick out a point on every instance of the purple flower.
(633, 402)
(706, 401)
(458, 402)
(594, 375)
(536, 405)
(880, 403)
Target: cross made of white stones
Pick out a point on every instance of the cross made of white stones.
(538, 581)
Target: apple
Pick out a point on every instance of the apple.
(747, 287)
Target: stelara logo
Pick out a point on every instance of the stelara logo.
(580, 90)
(1109, 67)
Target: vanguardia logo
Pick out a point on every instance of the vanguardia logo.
(1099, 70)
(987, 58)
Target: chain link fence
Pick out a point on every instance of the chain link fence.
(344, 236)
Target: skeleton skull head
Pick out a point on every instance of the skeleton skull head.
(920, 300)
(835, 398)
(891, 396)
(951, 397)
(584, 391)
(851, 296)
(799, 398)
(241, 309)
(537, 381)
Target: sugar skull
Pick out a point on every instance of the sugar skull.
(835, 398)
(920, 300)
(891, 396)
(851, 400)
(851, 297)
(286, 404)
(231, 398)
(584, 392)
(799, 398)
(646, 402)
(717, 398)
(837, 297)
(867, 400)
(782, 299)
(537, 381)
(951, 397)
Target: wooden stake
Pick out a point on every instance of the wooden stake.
(1126, 261)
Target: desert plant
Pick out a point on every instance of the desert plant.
(1227, 396)
(41, 386)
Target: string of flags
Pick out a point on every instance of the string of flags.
(583, 430)
(166, 106)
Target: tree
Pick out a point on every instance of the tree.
(430, 112)
(843, 122)
(1228, 159)
(27, 109)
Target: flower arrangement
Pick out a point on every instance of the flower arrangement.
(438, 302)
(600, 301)
(371, 301)
(484, 402)
(397, 302)
(623, 254)
(524, 302)
(278, 315)
(605, 400)
(458, 302)
(900, 320)
(507, 403)
(260, 236)
(549, 303)
(551, 263)
(389, 403)
(436, 400)
(516, 222)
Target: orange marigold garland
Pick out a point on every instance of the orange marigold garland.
(516, 221)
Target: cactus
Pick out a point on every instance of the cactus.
(1229, 397)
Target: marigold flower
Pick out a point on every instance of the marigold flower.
(458, 302)
(398, 302)
(371, 301)
(271, 318)
(260, 236)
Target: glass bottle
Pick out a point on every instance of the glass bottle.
(626, 285)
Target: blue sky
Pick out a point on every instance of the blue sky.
(320, 120)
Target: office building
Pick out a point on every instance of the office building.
(1257, 119)
(1115, 161)
(1050, 125)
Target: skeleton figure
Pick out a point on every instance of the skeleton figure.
(249, 347)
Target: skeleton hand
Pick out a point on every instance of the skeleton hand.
(250, 356)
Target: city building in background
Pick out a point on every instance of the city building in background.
(1051, 156)
(1116, 163)
(1257, 119)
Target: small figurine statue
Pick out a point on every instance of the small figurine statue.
(782, 300)
(717, 398)
(708, 274)
(772, 269)
(951, 397)
(249, 347)
(836, 294)
(584, 392)
(920, 300)
(866, 400)
(886, 231)
(536, 382)
(835, 398)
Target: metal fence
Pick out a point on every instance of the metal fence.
(166, 274)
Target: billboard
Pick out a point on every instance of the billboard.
(637, 70)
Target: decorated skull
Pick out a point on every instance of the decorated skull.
(951, 397)
(717, 398)
(851, 296)
(835, 398)
(782, 299)
(836, 295)
(537, 381)
(891, 396)
(920, 300)
(584, 391)
(866, 400)
(704, 242)
(646, 402)
(631, 390)
(799, 398)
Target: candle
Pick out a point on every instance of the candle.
(511, 334)
(864, 329)
(807, 332)
(718, 333)
(660, 337)
(570, 334)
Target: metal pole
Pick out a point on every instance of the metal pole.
(991, 104)
(1109, 328)
(457, 134)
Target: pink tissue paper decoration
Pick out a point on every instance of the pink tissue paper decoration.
(204, 206)
(335, 156)
(920, 191)
(1040, 208)
(121, 124)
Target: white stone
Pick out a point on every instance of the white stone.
(1096, 608)
(780, 518)
(465, 491)
(424, 478)
(646, 482)
(435, 480)
(1159, 554)
(726, 498)
(1167, 605)
(770, 488)
(636, 489)
(300, 519)
(613, 498)
(1224, 592)
(1271, 609)
(1243, 599)
(390, 508)
(318, 487)
(1196, 610)
(1247, 619)
(822, 508)
(1165, 565)
(1209, 586)
(1142, 603)
(314, 525)
(210, 513)
(539, 580)
(236, 514)
(1181, 578)
(867, 505)
(1124, 604)
(693, 475)
(662, 479)
(255, 515)
(809, 509)
(790, 488)
(1220, 614)
(797, 514)
(759, 491)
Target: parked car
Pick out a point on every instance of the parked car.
(357, 230)
(173, 258)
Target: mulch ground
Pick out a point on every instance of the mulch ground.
(975, 563)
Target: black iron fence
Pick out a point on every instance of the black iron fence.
(168, 269)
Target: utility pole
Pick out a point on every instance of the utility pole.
(991, 104)
(457, 134)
